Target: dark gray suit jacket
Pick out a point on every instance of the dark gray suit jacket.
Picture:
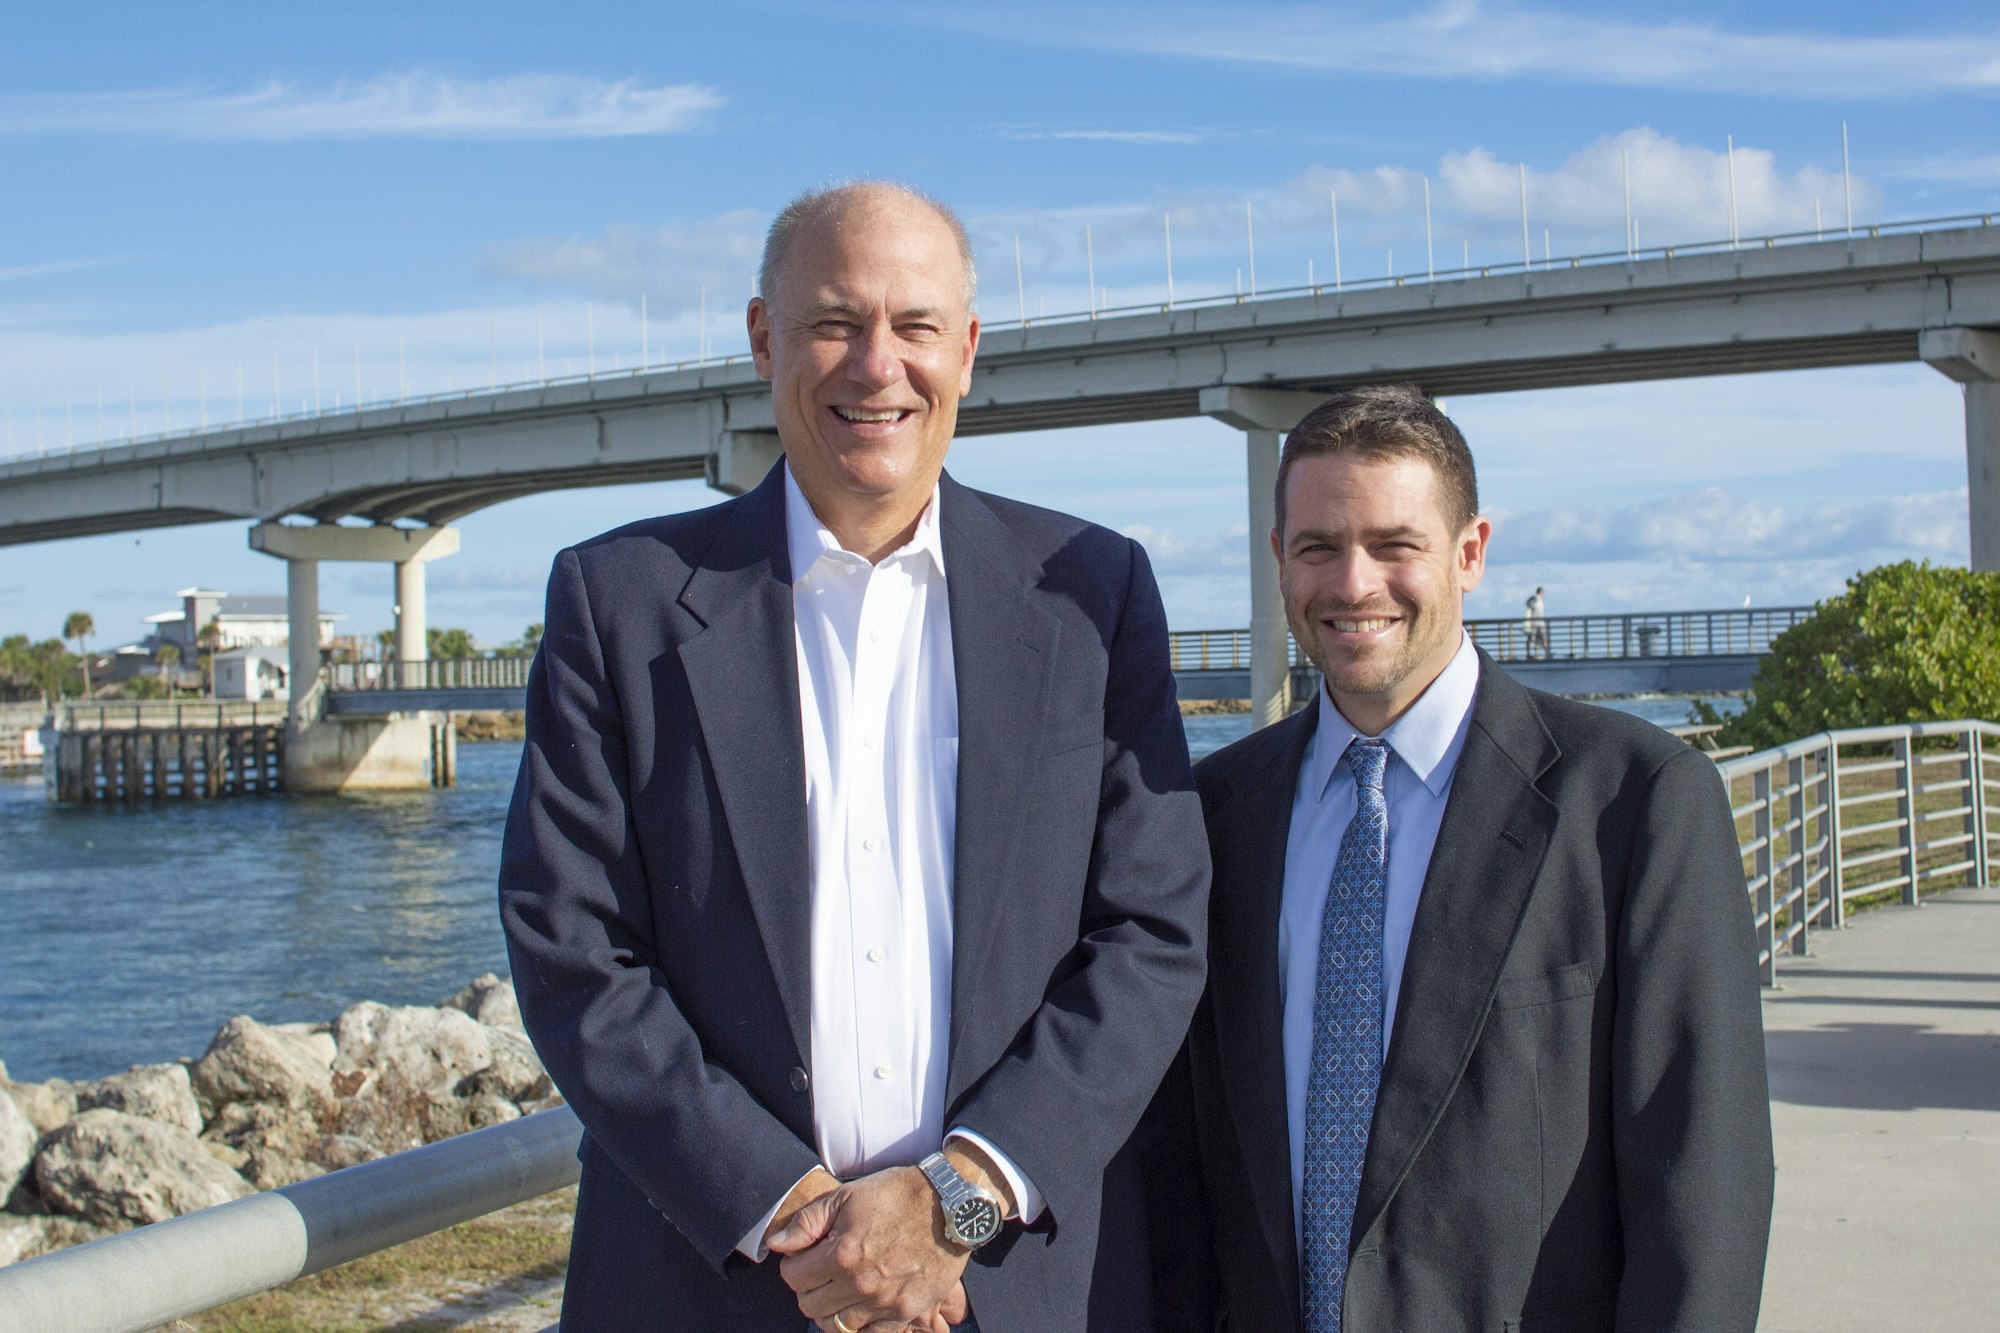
(654, 888)
(1572, 1131)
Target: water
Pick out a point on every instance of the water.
(130, 935)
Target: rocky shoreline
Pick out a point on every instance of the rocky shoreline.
(264, 1106)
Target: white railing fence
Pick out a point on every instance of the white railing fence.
(1825, 824)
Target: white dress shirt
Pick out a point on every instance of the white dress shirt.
(878, 703)
(1424, 744)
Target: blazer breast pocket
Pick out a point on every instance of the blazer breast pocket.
(1075, 733)
(1527, 991)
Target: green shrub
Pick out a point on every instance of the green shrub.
(1905, 643)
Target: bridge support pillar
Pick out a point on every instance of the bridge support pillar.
(1972, 357)
(741, 459)
(1264, 415)
(324, 753)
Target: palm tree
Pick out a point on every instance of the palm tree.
(76, 627)
(169, 658)
(206, 640)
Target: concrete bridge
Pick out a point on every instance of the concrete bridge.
(1926, 292)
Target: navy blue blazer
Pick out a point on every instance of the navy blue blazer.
(654, 888)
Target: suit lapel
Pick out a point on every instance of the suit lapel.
(1497, 827)
(1003, 652)
(1243, 978)
(742, 670)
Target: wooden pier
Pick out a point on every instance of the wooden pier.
(128, 754)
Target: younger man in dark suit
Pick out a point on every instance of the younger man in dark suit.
(1482, 1046)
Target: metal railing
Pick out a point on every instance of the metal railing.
(464, 673)
(1812, 827)
(1526, 266)
(141, 1279)
(1599, 638)
(166, 714)
(1858, 816)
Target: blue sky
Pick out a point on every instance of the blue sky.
(197, 198)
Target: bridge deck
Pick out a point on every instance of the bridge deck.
(1884, 1051)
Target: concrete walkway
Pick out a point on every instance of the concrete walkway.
(1884, 1050)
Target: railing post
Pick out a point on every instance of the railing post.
(1767, 915)
(1795, 775)
(1906, 810)
(1836, 874)
(1978, 819)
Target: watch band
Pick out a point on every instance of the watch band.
(972, 1216)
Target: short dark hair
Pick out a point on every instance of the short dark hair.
(1384, 421)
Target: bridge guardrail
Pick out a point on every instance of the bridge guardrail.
(1624, 635)
(1807, 855)
(463, 673)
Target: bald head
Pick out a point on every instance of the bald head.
(848, 205)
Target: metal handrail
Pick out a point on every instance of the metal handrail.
(450, 673)
(141, 1279)
(1839, 817)
(1525, 267)
(1799, 877)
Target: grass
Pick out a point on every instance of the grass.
(495, 1273)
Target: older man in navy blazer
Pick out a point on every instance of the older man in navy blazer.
(854, 881)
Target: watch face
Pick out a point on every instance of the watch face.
(975, 1221)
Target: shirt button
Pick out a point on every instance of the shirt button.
(883, 1071)
(874, 636)
(875, 955)
(871, 844)
(867, 742)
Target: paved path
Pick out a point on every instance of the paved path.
(1884, 1050)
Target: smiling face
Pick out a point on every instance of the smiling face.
(868, 345)
(1374, 578)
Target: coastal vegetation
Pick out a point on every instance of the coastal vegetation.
(1908, 642)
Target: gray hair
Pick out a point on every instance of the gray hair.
(809, 204)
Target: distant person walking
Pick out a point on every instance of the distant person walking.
(1537, 625)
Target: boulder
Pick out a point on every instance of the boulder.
(337, 1152)
(490, 999)
(156, 1092)
(400, 1072)
(18, 1139)
(317, 1038)
(516, 1072)
(48, 1105)
(272, 1170)
(17, 1236)
(109, 1167)
(263, 1127)
(249, 1062)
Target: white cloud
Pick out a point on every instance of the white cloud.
(1713, 525)
(1463, 40)
(48, 268)
(669, 263)
(1183, 138)
(414, 104)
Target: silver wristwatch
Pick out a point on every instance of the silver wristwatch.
(971, 1214)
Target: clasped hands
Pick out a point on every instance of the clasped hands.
(871, 1254)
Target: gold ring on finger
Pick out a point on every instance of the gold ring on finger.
(841, 1325)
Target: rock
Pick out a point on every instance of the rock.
(109, 1167)
(337, 1152)
(490, 1000)
(249, 1062)
(516, 1073)
(263, 1127)
(400, 1070)
(548, 1103)
(233, 1158)
(318, 1039)
(487, 1110)
(17, 1235)
(271, 1170)
(156, 1092)
(48, 1106)
(18, 1140)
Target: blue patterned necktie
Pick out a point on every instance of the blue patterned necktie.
(1347, 1038)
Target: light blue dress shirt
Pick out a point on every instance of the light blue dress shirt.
(1424, 744)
